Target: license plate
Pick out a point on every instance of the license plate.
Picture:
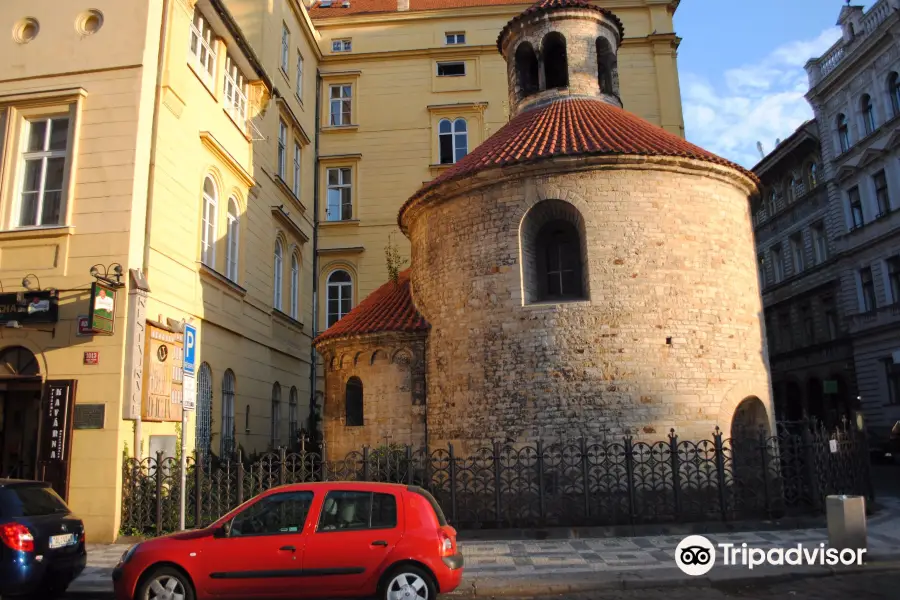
(61, 541)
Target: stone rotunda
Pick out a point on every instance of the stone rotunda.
(581, 273)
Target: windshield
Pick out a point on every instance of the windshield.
(30, 501)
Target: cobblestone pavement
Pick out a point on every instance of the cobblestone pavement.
(526, 559)
(863, 586)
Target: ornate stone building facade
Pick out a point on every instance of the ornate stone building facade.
(581, 273)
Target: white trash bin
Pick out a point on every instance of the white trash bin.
(846, 517)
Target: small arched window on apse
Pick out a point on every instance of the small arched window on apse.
(607, 67)
(556, 62)
(893, 88)
(453, 137)
(208, 223)
(527, 70)
(553, 253)
(353, 403)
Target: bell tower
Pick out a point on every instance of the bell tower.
(561, 48)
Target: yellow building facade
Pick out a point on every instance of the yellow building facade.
(229, 171)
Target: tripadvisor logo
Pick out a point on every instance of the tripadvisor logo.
(695, 555)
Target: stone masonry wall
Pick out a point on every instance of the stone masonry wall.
(392, 370)
(671, 336)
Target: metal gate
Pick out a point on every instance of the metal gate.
(204, 409)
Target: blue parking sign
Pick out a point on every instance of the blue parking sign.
(190, 349)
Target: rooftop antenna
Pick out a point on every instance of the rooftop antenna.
(759, 147)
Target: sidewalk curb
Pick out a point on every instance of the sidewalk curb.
(589, 582)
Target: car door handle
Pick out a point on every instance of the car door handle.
(380, 543)
(288, 549)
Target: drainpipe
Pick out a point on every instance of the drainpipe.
(315, 263)
(163, 34)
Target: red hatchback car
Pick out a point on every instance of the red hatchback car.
(335, 539)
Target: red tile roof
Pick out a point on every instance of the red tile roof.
(389, 308)
(544, 6)
(359, 7)
(572, 127)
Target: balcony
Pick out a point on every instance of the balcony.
(882, 316)
(818, 69)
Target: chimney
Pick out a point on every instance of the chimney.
(402, 5)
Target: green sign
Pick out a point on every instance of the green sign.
(102, 316)
(830, 386)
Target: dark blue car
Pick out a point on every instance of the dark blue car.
(41, 541)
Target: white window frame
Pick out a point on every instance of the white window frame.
(235, 93)
(295, 286)
(857, 199)
(232, 241)
(282, 149)
(455, 38)
(344, 290)
(44, 155)
(209, 224)
(297, 169)
(202, 38)
(277, 279)
(285, 48)
(458, 131)
(298, 87)
(337, 104)
(343, 183)
(342, 45)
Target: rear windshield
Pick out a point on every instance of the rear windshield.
(442, 520)
(30, 501)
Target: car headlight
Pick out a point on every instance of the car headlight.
(128, 554)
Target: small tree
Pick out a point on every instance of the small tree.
(395, 262)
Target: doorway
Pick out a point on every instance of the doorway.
(20, 412)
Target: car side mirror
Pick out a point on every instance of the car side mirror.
(224, 531)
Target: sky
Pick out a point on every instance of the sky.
(741, 69)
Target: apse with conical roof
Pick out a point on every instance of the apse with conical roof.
(583, 271)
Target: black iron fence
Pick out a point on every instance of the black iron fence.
(582, 483)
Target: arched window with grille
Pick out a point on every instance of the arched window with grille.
(353, 403)
(277, 277)
(553, 253)
(228, 426)
(868, 113)
(209, 222)
(340, 296)
(203, 425)
(453, 137)
(275, 439)
(556, 62)
(232, 241)
(293, 418)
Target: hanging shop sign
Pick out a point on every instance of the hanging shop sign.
(163, 374)
(28, 308)
(102, 315)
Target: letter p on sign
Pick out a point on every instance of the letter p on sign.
(190, 349)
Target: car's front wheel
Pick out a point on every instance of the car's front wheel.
(166, 583)
(409, 582)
